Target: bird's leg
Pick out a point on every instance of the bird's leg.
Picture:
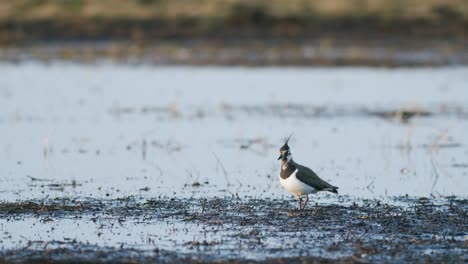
(305, 204)
(299, 201)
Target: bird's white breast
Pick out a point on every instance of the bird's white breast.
(295, 186)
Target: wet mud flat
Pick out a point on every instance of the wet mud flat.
(234, 230)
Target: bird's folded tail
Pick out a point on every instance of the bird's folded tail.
(332, 189)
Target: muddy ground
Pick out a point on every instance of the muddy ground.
(247, 230)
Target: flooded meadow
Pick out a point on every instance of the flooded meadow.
(110, 162)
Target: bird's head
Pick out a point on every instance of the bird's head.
(285, 153)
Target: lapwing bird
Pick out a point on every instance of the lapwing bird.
(300, 180)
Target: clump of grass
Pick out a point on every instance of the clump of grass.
(29, 206)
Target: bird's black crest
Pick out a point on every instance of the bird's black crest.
(285, 146)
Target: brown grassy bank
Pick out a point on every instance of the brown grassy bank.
(146, 20)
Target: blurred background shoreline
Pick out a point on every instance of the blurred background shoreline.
(237, 32)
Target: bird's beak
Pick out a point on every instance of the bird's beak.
(280, 157)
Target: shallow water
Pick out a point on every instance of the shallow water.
(109, 130)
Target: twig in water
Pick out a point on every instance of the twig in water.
(370, 185)
(37, 179)
(203, 206)
(45, 147)
(224, 170)
(144, 149)
(434, 167)
(435, 146)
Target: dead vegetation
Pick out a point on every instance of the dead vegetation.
(38, 207)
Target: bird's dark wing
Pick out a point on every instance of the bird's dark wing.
(310, 178)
